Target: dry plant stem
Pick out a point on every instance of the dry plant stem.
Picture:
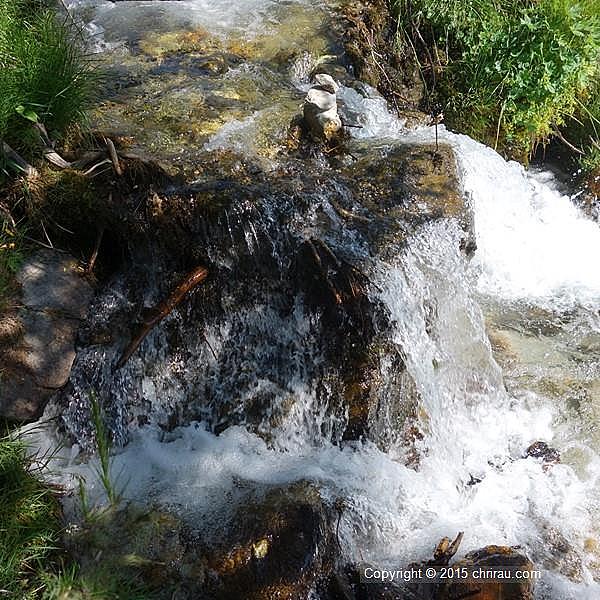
(114, 157)
(94, 256)
(568, 144)
(18, 160)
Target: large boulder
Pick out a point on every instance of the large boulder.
(279, 547)
(37, 340)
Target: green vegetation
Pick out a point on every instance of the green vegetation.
(103, 446)
(508, 72)
(29, 522)
(45, 76)
(11, 255)
(46, 85)
(33, 566)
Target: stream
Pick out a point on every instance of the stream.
(498, 350)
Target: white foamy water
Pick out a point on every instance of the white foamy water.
(394, 514)
(533, 243)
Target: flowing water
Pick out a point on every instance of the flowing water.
(502, 350)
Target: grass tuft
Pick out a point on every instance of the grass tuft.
(29, 521)
(45, 75)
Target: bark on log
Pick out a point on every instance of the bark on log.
(159, 312)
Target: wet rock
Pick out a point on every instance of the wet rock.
(411, 184)
(277, 546)
(37, 343)
(491, 558)
(542, 450)
(280, 547)
(320, 108)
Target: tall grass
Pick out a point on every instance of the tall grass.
(29, 521)
(33, 563)
(509, 72)
(45, 75)
(103, 446)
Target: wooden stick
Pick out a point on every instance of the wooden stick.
(568, 144)
(317, 258)
(87, 158)
(445, 550)
(55, 158)
(159, 312)
(94, 256)
(94, 167)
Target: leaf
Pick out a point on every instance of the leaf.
(27, 113)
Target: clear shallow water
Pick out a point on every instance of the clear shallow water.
(503, 351)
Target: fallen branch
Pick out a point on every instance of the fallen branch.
(87, 158)
(106, 161)
(54, 158)
(347, 214)
(568, 144)
(317, 258)
(159, 312)
(445, 550)
(48, 151)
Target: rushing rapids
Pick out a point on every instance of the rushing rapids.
(469, 359)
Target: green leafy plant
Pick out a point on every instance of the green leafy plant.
(508, 72)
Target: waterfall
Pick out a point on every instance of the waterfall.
(265, 404)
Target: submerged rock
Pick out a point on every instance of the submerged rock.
(276, 545)
(280, 547)
(37, 343)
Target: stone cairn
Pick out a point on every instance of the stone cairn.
(320, 108)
